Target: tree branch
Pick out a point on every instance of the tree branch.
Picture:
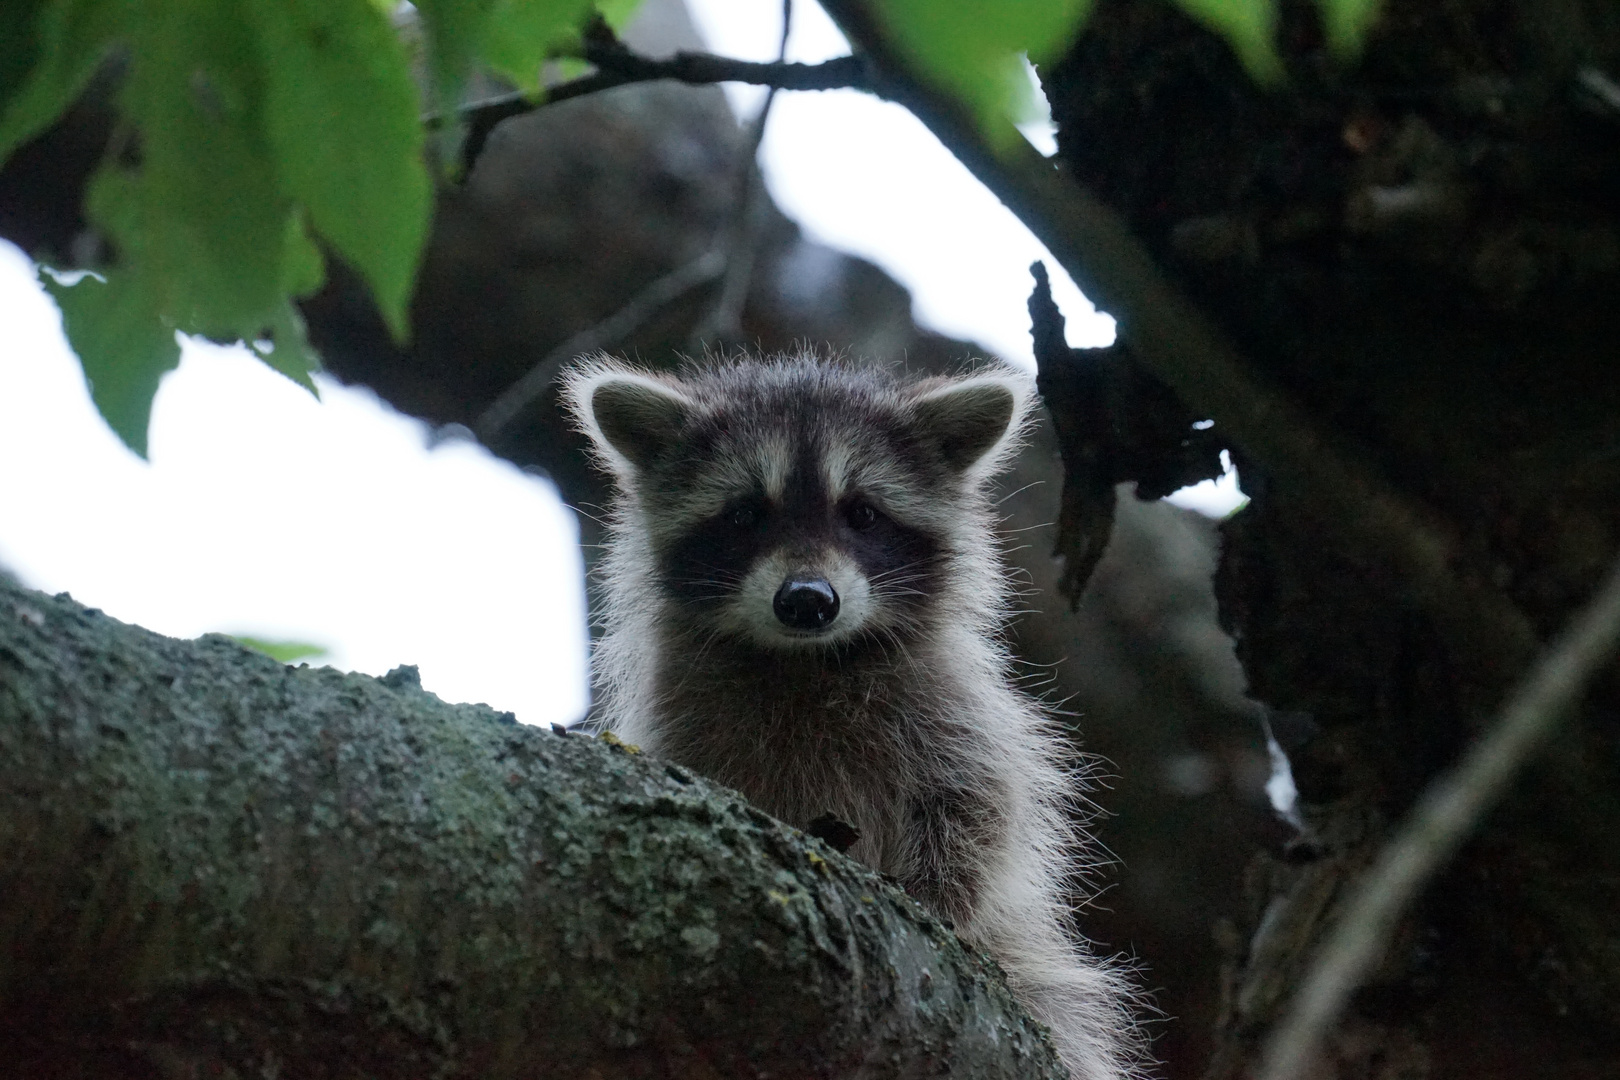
(723, 323)
(214, 864)
(839, 73)
(616, 327)
(1437, 826)
(617, 66)
(1169, 335)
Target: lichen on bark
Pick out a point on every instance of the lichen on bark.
(211, 861)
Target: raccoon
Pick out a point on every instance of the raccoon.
(804, 599)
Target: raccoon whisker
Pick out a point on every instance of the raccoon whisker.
(887, 582)
(893, 584)
(1019, 491)
(905, 653)
(897, 590)
(885, 636)
(897, 633)
(600, 516)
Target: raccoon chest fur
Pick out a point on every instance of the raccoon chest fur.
(873, 740)
(803, 597)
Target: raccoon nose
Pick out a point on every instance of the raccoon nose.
(806, 603)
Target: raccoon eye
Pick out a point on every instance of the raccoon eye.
(861, 516)
(745, 516)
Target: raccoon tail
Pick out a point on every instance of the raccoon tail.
(1087, 1003)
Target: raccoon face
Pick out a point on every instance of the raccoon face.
(798, 504)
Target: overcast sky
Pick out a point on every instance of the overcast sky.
(265, 512)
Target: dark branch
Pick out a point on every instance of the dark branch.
(1437, 826)
(1182, 347)
(723, 323)
(610, 331)
(1115, 423)
(839, 73)
(617, 65)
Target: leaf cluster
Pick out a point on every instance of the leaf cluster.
(975, 48)
(257, 138)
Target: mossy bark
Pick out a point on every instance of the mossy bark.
(214, 864)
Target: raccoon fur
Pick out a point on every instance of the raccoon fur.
(804, 599)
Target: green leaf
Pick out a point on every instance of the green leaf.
(522, 34)
(123, 346)
(455, 30)
(67, 42)
(200, 217)
(618, 13)
(1250, 27)
(289, 351)
(303, 268)
(1346, 23)
(341, 116)
(972, 48)
(19, 47)
(285, 652)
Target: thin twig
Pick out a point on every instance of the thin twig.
(724, 320)
(1437, 826)
(611, 330)
(618, 66)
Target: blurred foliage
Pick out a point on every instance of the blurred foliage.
(250, 132)
(974, 48)
(253, 134)
(286, 652)
(1249, 26)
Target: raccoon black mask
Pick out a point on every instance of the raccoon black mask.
(801, 505)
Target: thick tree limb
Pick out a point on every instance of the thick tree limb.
(1437, 826)
(212, 864)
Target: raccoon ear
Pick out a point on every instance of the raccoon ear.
(631, 415)
(973, 419)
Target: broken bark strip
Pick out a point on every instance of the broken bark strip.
(214, 864)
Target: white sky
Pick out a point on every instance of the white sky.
(265, 512)
(865, 176)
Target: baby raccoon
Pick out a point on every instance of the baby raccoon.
(804, 599)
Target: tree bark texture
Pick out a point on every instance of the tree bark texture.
(1423, 252)
(212, 864)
